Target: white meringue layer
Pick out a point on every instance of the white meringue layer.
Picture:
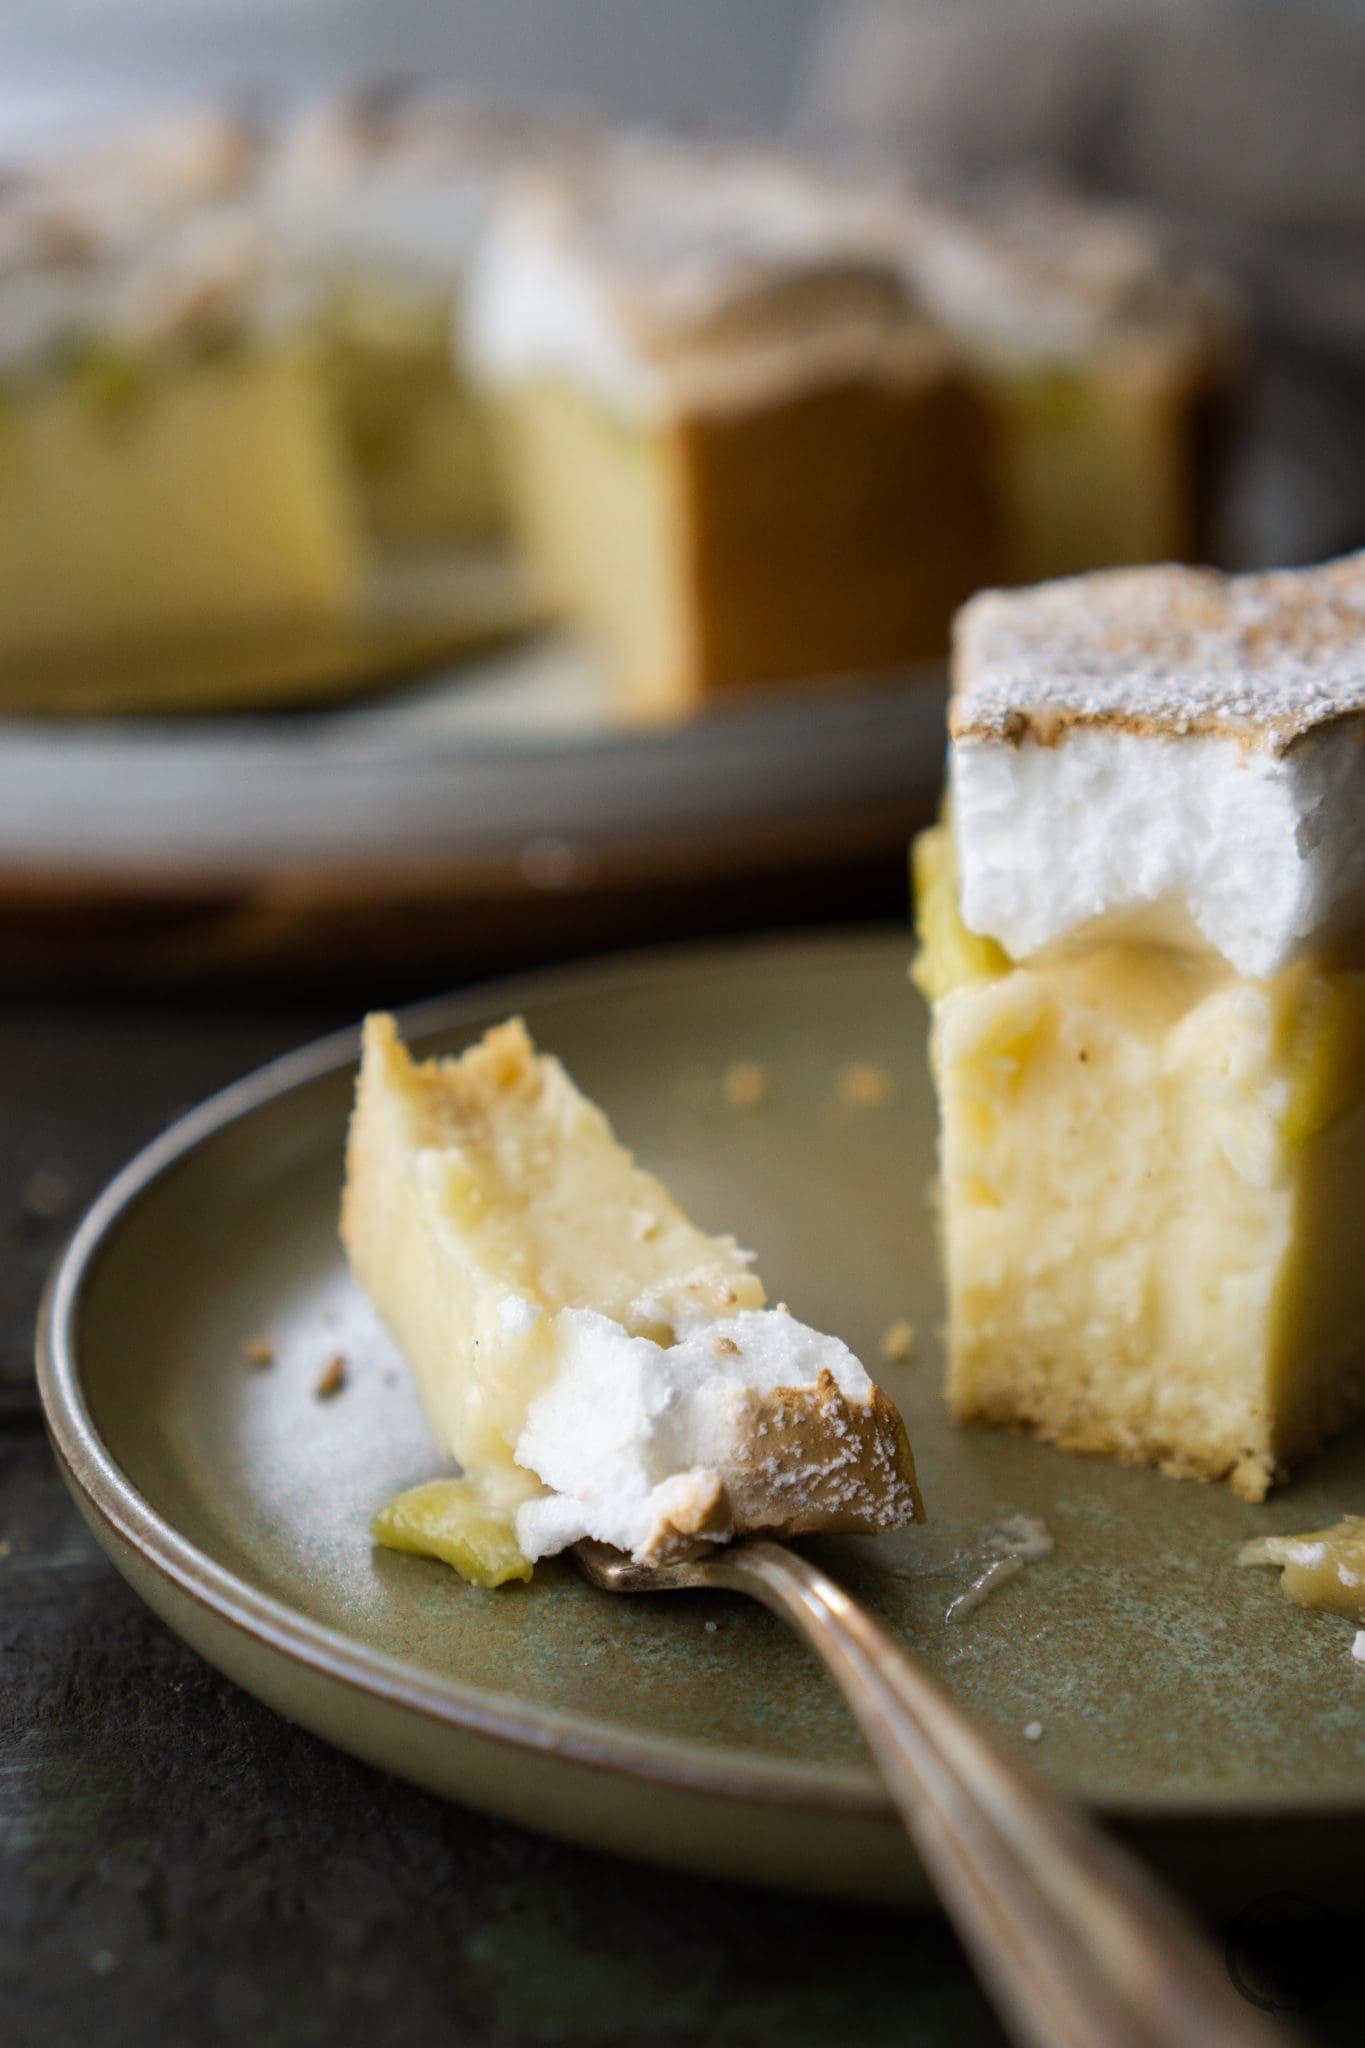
(1262, 853)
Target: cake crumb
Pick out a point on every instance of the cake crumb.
(711, 1627)
(1033, 1731)
(898, 1341)
(725, 1347)
(259, 1351)
(333, 1378)
(863, 1086)
(745, 1084)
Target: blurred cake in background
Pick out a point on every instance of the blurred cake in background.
(1142, 931)
(770, 418)
(378, 200)
(168, 466)
(748, 416)
(737, 449)
(1109, 369)
(146, 171)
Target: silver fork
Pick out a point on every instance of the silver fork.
(1076, 1945)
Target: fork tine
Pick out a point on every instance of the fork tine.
(616, 1572)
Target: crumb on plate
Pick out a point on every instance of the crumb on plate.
(898, 1341)
(333, 1378)
(745, 1084)
(863, 1086)
(259, 1350)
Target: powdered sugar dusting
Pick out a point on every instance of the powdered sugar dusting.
(1169, 651)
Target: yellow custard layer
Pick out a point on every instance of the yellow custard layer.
(1322, 1568)
(450, 1519)
(1152, 1172)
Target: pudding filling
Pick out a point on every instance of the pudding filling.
(1150, 1170)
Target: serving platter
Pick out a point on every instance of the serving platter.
(1178, 1694)
(484, 808)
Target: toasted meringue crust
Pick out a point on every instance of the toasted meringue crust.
(664, 276)
(1166, 652)
(626, 264)
(816, 1459)
(1032, 271)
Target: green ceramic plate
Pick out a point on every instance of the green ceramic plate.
(1179, 1694)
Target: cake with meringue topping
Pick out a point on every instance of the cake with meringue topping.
(169, 471)
(378, 199)
(1142, 931)
(738, 449)
(766, 416)
(597, 1364)
(1110, 370)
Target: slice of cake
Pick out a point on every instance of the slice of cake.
(597, 1364)
(1143, 933)
(169, 472)
(378, 200)
(1109, 368)
(737, 449)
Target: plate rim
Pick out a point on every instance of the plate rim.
(730, 753)
(128, 1516)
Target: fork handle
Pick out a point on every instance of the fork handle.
(1076, 1944)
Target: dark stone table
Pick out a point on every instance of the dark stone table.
(179, 1866)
